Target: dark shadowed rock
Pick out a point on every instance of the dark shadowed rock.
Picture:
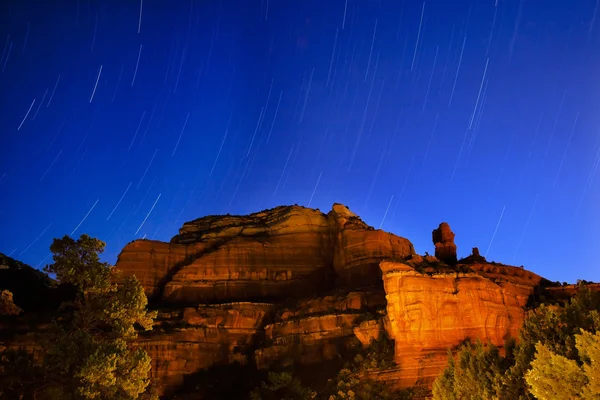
(474, 258)
(33, 290)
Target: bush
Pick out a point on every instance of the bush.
(554, 377)
(471, 376)
(282, 386)
(350, 383)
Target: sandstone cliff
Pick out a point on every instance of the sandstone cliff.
(424, 304)
(434, 311)
(295, 285)
(274, 254)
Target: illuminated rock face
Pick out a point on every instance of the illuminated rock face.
(273, 254)
(428, 314)
(187, 340)
(296, 252)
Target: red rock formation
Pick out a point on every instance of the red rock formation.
(286, 251)
(443, 239)
(292, 251)
(368, 331)
(186, 341)
(271, 255)
(358, 248)
(151, 260)
(429, 314)
(320, 329)
(474, 258)
(274, 253)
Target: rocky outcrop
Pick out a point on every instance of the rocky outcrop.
(369, 331)
(186, 341)
(32, 290)
(433, 311)
(563, 292)
(443, 240)
(358, 248)
(7, 306)
(274, 254)
(474, 258)
(271, 256)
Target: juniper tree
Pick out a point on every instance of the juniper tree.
(88, 350)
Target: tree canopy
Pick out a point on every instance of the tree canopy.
(553, 359)
(555, 377)
(88, 352)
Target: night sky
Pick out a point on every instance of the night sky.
(124, 119)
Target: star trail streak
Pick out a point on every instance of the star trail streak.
(96, 84)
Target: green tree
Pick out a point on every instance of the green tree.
(443, 386)
(472, 376)
(555, 377)
(19, 375)
(281, 386)
(555, 326)
(88, 350)
(351, 382)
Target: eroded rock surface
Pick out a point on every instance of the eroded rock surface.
(286, 251)
(320, 329)
(432, 312)
(186, 341)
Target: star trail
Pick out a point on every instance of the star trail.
(125, 119)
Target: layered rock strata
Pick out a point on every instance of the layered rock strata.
(189, 340)
(270, 256)
(321, 329)
(434, 311)
(273, 254)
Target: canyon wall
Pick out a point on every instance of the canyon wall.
(434, 311)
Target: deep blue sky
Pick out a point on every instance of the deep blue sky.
(483, 114)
